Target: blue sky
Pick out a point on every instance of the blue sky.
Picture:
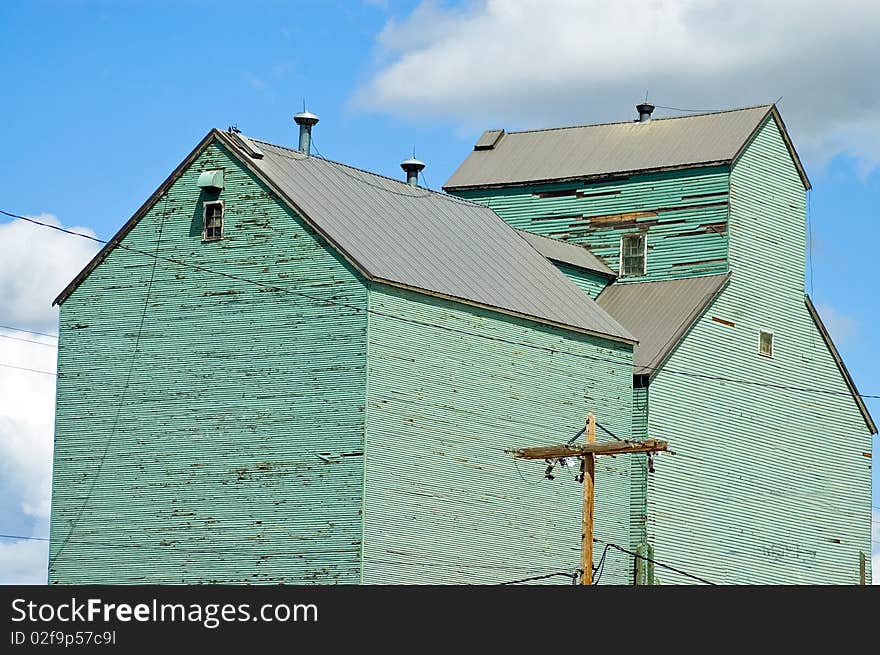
(103, 99)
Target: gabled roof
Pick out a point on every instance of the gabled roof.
(660, 314)
(611, 149)
(567, 253)
(869, 421)
(410, 237)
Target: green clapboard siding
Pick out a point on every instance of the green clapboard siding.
(592, 283)
(683, 212)
(742, 501)
(207, 470)
(443, 502)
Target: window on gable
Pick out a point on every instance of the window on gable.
(765, 343)
(212, 221)
(633, 254)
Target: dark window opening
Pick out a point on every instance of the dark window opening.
(213, 221)
(633, 253)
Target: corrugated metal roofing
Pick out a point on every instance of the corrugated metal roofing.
(566, 253)
(660, 313)
(427, 240)
(599, 150)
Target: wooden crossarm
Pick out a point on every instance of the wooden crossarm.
(577, 450)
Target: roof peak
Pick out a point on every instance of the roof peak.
(417, 192)
(633, 122)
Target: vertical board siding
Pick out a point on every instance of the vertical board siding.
(443, 502)
(592, 283)
(212, 472)
(683, 212)
(742, 501)
(639, 469)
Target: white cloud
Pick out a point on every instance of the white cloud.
(23, 562)
(841, 327)
(506, 63)
(36, 263)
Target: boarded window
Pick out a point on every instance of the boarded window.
(633, 252)
(765, 343)
(213, 221)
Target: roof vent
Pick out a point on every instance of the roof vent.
(489, 140)
(412, 167)
(645, 109)
(211, 180)
(305, 120)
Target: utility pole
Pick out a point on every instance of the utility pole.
(587, 454)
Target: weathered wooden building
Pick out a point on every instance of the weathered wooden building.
(285, 369)
(698, 226)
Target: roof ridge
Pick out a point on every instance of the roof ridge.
(633, 122)
(427, 192)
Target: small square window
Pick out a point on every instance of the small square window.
(213, 221)
(633, 254)
(765, 343)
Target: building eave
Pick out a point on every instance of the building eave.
(685, 329)
(590, 179)
(131, 222)
(826, 337)
(773, 112)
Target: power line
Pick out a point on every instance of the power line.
(39, 343)
(541, 577)
(661, 564)
(18, 536)
(137, 342)
(18, 329)
(24, 368)
(600, 568)
(337, 303)
(692, 111)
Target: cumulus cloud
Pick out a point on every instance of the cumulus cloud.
(532, 63)
(23, 562)
(841, 326)
(35, 264)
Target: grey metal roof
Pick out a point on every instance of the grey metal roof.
(567, 253)
(612, 148)
(660, 313)
(426, 240)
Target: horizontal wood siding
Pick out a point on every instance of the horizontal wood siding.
(444, 503)
(743, 501)
(683, 212)
(234, 452)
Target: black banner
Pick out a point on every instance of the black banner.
(129, 619)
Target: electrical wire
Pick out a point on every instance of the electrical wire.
(18, 536)
(134, 353)
(18, 329)
(25, 368)
(661, 564)
(39, 343)
(538, 577)
(691, 111)
(600, 567)
(331, 302)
